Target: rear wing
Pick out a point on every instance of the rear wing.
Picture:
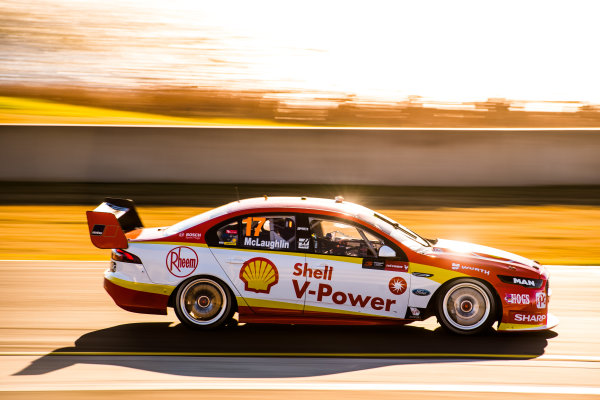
(109, 222)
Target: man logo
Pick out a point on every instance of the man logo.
(524, 282)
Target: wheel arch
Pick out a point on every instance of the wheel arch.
(173, 295)
(431, 306)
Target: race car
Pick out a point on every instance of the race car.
(299, 260)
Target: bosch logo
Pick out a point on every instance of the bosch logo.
(182, 261)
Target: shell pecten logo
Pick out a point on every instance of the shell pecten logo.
(259, 275)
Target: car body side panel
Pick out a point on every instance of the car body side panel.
(343, 285)
(263, 278)
(170, 263)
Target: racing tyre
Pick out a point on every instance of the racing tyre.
(203, 303)
(466, 306)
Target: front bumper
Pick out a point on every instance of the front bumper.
(551, 322)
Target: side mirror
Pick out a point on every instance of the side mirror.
(386, 251)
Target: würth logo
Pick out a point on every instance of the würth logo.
(182, 261)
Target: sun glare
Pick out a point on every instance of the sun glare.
(450, 51)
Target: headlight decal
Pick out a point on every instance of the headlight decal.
(530, 283)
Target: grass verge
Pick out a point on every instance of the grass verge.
(561, 234)
(17, 110)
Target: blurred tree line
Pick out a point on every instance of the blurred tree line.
(320, 109)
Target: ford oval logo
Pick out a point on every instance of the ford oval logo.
(421, 292)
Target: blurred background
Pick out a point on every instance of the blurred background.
(382, 63)
(436, 64)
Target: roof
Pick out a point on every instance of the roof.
(308, 203)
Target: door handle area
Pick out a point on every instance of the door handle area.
(236, 260)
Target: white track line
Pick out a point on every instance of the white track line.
(486, 357)
(306, 386)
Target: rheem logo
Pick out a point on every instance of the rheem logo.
(182, 261)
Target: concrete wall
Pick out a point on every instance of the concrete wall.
(431, 157)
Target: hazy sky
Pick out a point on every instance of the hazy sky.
(443, 50)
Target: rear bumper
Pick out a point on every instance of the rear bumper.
(138, 297)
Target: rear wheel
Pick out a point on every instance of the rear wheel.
(203, 303)
(466, 306)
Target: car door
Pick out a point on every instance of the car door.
(346, 275)
(258, 253)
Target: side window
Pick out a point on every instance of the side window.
(268, 232)
(227, 235)
(375, 242)
(340, 239)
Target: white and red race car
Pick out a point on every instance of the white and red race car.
(299, 260)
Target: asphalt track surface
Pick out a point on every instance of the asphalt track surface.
(62, 337)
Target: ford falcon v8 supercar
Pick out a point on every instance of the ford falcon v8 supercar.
(313, 261)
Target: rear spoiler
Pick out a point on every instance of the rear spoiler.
(109, 222)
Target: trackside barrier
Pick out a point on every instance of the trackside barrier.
(398, 157)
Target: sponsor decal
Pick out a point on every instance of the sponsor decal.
(98, 230)
(325, 293)
(422, 274)
(414, 311)
(456, 267)
(512, 298)
(421, 292)
(324, 273)
(540, 300)
(303, 228)
(396, 266)
(259, 275)
(322, 291)
(182, 261)
(383, 265)
(374, 264)
(397, 285)
(269, 244)
(190, 235)
(526, 282)
(527, 318)
(303, 243)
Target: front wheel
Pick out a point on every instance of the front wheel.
(203, 303)
(466, 307)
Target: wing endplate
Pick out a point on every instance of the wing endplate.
(105, 230)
